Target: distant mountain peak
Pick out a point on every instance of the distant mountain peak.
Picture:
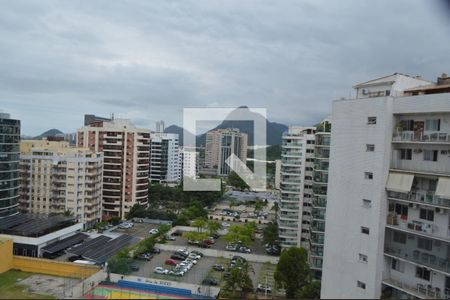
(50, 132)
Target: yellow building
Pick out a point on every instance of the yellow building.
(56, 178)
(6, 251)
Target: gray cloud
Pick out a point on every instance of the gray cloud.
(146, 60)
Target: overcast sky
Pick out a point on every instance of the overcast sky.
(146, 60)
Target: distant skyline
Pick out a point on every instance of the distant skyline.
(146, 60)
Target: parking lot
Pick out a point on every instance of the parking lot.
(139, 230)
(203, 269)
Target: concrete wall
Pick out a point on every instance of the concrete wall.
(6, 250)
(52, 267)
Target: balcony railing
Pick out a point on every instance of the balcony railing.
(421, 196)
(419, 165)
(411, 136)
(413, 226)
(419, 291)
(418, 257)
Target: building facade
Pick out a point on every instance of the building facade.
(297, 161)
(189, 162)
(56, 178)
(125, 151)
(9, 165)
(164, 158)
(220, 144)
(319, 201)
(387, 221)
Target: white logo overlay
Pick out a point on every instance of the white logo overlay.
(256, 180)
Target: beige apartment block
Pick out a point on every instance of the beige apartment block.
(125, 151)
(220, 144)
(57, 178)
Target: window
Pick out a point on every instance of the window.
(424, 244)
(368, 175)
(402, 210)
(430, 155)
(363, 258)
(406, 154)
(370, 147)
(361, 285)
(365, 230)
(423, 273)
(400, 237)
(432, 125)
(397, 265)
(371, 120)
(367, 203)
(388, 92)
(427, 214)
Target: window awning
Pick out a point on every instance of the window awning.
(443, 187)
(399, 182)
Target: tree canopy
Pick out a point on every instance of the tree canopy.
(292, 272)
(239, 279)
(270, 233)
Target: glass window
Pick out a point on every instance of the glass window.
(430, 155)
(406, 154)
(365, 230)
(368, 175)
(424, 244)
(400, 237)
(423, 273)
(433, 125)
(370, 147)
(361, 285)
(371, 120)
(427, 214)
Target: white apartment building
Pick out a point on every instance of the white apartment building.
(189, 162)
(164, 158)
(297, 161)
(56, 178)
(387, 222)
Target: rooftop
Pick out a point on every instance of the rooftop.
(34, 225)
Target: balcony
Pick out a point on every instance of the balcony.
(420, 291)
(318, 226)
(317, 238)
(319, 202)
(426, 229)
(422, 197)
(417, 164)
(421, 137)
(291, 162)
(418, 257)
(321, 165)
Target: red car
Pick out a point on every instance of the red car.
(170, 262)
(209, 241)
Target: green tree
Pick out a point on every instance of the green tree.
(270, 233)
(292, 272)
(118, 264)
(195, 236)
(200, 223)
(213, 227)
(243, 234)
(236, 181)
(239, 279)
(136, 211)
(310, 291)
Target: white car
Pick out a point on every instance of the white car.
(125, 225)
(225, 224)
(159, 270)
(189, 259)
(153, 231)
(194, 256)
(184, 251)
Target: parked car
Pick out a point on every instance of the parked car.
(126, 225)
(134, 268)
(204, 245)
(177, 256)
(170, 238)
(219, 268)
(215, 236)
(193, 242)
(209, 241)
(209, 281)
(153, 231)
(236, 258)
(226, 274)
(263, 288)
(225, 224)
(192, 255)
(245, 250)
(156, 250)
(145, 256)
(159, 270)
(191, 260)
(198, 253)
(183, 251)
(231, 247)
(170, 262)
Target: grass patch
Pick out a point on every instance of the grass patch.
(11, 288)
